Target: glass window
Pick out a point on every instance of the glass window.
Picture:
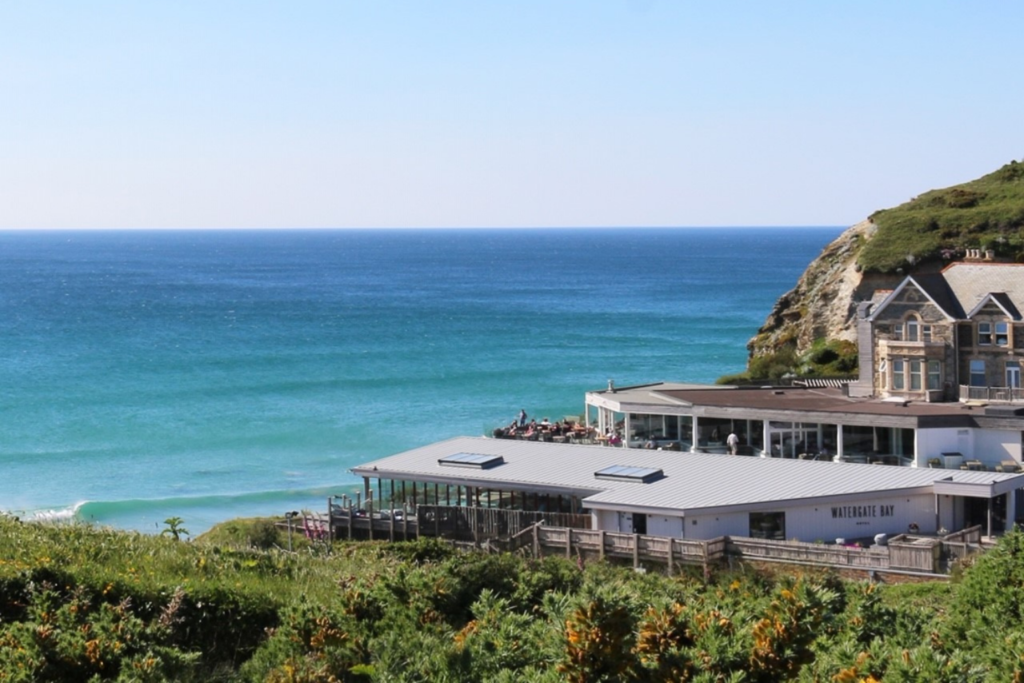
(897, 332)
(768, 525)
(915, 375)
(926, 333)
(1002, 334)
(912, 329)
(898, 382)
(984, 334)
(934, 374)
(978, 373)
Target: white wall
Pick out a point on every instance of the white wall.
(992, 446)
(951, 512)
(860, 519)
(605, 519)
(932, 443)
(665, 526)
(883, 515)
(713, 526)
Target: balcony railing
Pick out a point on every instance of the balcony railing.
(992, 394)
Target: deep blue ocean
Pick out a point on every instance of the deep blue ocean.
(217, 374)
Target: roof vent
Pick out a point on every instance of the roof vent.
(644, 475)
(477, 461)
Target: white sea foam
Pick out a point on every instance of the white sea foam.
(49, 514)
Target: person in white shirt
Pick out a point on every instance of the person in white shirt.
(733, 442)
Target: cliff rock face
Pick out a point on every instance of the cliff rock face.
(824, 302)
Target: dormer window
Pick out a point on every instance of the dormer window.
(1002, 334)
(984, 334)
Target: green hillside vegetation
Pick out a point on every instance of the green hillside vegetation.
(939, 225)
(826, 358)
(85, 604)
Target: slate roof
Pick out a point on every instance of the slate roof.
(936, 287)
(971, 282)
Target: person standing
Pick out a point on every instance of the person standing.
(733, 442)
(522, 417)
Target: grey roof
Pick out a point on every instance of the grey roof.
(798, 403)
(692, 481)
(653, 394)
(971, 282)
(1000, 299)
(938, 289)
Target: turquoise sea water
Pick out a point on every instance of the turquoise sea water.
(216, 374)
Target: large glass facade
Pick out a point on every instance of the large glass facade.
(804, 440)
(871, 444)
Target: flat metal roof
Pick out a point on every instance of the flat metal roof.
(797, 404)
(692, 482)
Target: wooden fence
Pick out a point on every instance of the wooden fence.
(807, 553)
(595, 544)
(570, 535)
(923, 555)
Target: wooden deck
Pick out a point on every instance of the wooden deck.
(569, 535)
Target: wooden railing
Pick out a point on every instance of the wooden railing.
(639, 549)
(807, 553)
(993, 394)
(569, 535)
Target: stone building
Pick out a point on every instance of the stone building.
(954, 335)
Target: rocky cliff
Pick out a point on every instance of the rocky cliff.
(823, 304)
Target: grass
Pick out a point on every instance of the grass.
(941, 224)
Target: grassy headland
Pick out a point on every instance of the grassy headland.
(939, 225)
(80, 603)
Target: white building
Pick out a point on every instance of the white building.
(699, 495)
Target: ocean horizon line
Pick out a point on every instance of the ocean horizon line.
(428, 228)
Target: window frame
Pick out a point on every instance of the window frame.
(985, 334)
(1005, 335)
(973, 372)
(912, 329)
(934, 370)
(916, 375)
(1012, 369)
(899, 380)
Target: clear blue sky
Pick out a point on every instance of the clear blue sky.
(487, 113)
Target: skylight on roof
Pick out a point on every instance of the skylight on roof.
(477, 461)
(643, 475)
